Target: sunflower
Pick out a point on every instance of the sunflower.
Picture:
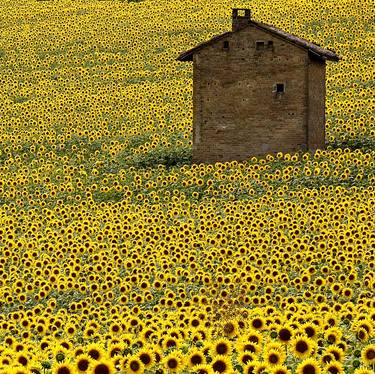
(254, 337)
(158, 353)
(280, 369)
(368, 355)
(70, 329)
(78, 351)
(221, 364)
(173, 362)
(171, 341)
(45, 343)
(132, 364)
(95, 351)
(285, 334)
(230, 328)
(195, 357)
(82, 363)
(245, 357)
(249, 368)
(203, 369)
(365, 324)
(274, 357)
(59, 353)
(249, 347)
(275, 345)
(115, 349)
(363, 370)
(333, 335)
(103, 366)
(334, 367)
(362, 335)
(310, 330)
(147, 357)
(326, 358)
(221, 347)
(260, 367)
(258, 323)
(35, 366)
(89, 332)
(22, 359)
(9, 340)
(308, 366)
(336, 351)
(302, 347)
(63, 368)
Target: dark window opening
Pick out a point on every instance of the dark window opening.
(259, 45)
(262, 45)
(226, 44)
(280, 87)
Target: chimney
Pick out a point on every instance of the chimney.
(240, 18)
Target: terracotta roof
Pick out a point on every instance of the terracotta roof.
(314, 49)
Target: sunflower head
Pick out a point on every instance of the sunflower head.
(221, 346)
(103, 366)
(334, 367)
(95, 351)
(333, 335)
(195, 358)
(302, 347)
(336, 351)
(230, 328)
(115, 349)
(285, 334)
(221, 364)
(363, 370)
(308, 366)
(63, 368)
(246, 357)
(173, 362)
(258, 323)
(82, 363)
(132, 365)
(368, 355)
(255, 337)
(203, 369)
(249, 368)
(274, 357)
(147, 357)
(280, 369)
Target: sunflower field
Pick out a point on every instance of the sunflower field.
(118, 255)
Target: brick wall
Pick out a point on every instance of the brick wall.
(236, 114)
(316, 105)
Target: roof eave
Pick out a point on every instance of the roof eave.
(188, 55)
(185, 57)
(329, 55)
(322, 54)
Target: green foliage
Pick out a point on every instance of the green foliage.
(169, 157)
(20, 99)
(364, 144)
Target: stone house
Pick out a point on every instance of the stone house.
(256, 90)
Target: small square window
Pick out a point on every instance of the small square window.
(280, 87)
(270, 44)
(226, 44)
(259, 44)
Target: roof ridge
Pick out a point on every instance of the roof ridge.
(295, 38)
(323, 53)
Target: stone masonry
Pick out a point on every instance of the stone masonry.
(256, 93)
